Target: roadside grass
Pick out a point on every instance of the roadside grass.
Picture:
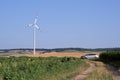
(39, 68)
(101, 73)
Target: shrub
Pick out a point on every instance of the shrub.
(31, 68)
(110, 56)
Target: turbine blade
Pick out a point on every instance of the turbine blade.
(36, 26)
(35, 21)
(29, 25)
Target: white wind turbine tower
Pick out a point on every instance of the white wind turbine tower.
(35, 26)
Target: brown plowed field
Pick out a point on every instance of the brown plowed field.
(56, 54)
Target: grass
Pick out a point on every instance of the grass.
(101, 73)
(38, 68)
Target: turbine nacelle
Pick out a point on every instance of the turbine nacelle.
(34, 24)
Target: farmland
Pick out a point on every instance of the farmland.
(111, 57)
(63, 65)
(39, 68)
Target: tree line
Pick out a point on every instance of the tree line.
(63, 49)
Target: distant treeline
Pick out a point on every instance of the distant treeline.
(64, 49)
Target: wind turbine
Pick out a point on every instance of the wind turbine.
(35, 26)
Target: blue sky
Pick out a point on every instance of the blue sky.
(63, 23)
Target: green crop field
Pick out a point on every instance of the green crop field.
(111, 57)
(38, 68)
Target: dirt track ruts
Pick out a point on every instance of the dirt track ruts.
(115, 73)
(86, 73)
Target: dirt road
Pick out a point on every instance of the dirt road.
(115, 73)
(86, 73)
(110, 69)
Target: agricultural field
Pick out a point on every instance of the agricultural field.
(52, 54)
(57, 66)
(40, 68)
(111, 57)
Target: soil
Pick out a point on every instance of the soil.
(55, 54)
(114, 71)
(86, 73)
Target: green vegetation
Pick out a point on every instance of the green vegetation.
(111, 57)
(38, 68)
